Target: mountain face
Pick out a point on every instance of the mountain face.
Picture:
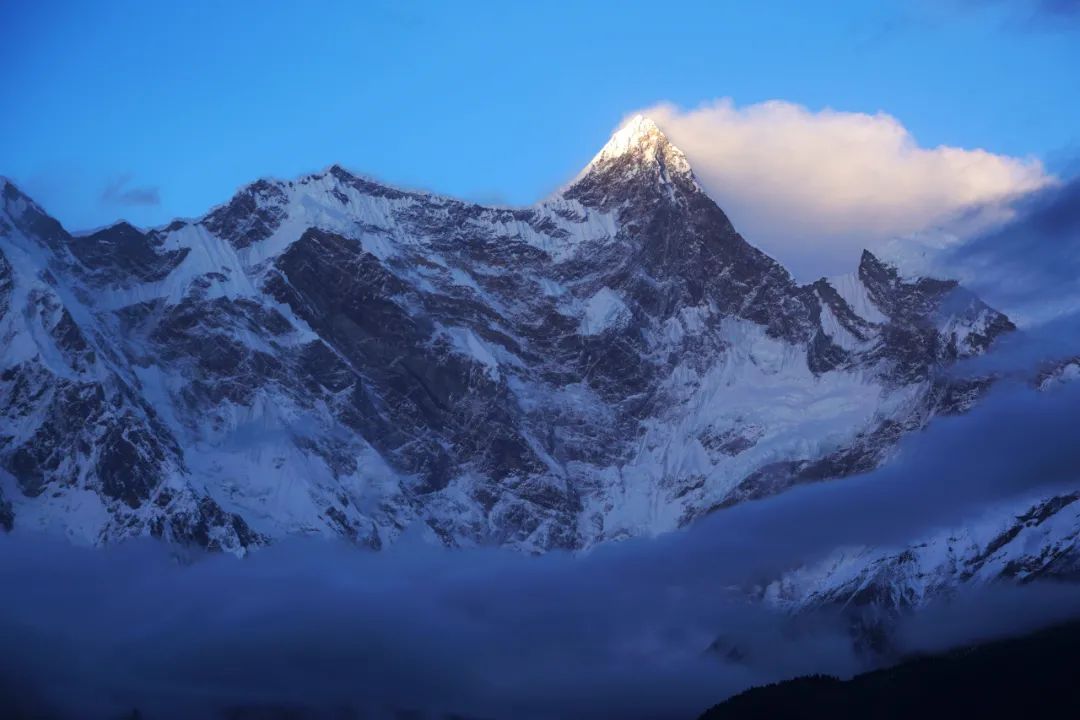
(1036, 540)
(333, 356)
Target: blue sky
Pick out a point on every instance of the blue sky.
(154, 110)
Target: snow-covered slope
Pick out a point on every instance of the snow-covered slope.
(1036, 538)
(1033, 536)
(333, 356)
(1016, 542)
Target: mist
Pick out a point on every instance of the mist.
(845, 180)
(1028, 267)
(645, 628)
(622, 631)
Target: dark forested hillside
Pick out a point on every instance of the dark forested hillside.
(1034, 675)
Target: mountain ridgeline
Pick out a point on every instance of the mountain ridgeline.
(333, 356)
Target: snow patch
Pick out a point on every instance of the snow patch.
(854, 293)
(835, 330)
(603, 311)
(470, 345)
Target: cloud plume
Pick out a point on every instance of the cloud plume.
(814, 188)
(623, 631)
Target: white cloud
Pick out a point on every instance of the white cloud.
(814, 188)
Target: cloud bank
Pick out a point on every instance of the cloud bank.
(814, 188)
(624, 631)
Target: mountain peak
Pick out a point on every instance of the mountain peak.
(637, 156)
(641, 137)
(638, 131)
(15, 203)
(9, 191)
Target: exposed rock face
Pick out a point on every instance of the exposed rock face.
(333, 356)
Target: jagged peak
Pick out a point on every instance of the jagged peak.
(16, 204)
(642, 138)
(119, 227)
(871, 263)
(264, 191)
(340, 172)
(265, 186)
(637, 155)
(10, 191)
(869, 258)
(8, 194)
(871, 266)
(638, 131)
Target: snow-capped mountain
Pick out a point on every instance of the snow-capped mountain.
(333, 356)
(1036, 539)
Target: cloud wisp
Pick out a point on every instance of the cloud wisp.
(814, 188)
(118, 192)
(1029, 267)
(1032, 264)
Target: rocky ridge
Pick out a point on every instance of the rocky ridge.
(333, 356)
